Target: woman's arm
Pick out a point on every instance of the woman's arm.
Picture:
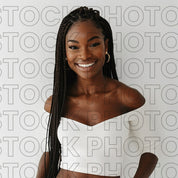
(133, 99)
(146, 165)
(41, 165)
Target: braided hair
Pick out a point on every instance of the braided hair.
(64, 78)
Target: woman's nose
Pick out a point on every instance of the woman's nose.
(84, 53)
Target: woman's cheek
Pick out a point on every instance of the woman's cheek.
(71, 55)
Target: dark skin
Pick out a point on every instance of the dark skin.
(95, 94)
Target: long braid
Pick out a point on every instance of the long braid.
(64, 78)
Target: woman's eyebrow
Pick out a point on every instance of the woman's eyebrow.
(92, 38)
(74, 41)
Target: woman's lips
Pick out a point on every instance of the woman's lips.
(85, 66)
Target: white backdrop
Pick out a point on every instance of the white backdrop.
(146, 51)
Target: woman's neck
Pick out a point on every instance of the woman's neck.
(90, 86)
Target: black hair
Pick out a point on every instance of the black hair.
(64, 78)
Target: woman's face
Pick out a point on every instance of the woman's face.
(85, 49)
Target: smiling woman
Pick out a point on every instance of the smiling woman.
(86, 49)
(87, 97)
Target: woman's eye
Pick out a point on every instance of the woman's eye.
(94, 44)
(73, 47)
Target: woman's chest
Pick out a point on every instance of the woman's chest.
(92, 110)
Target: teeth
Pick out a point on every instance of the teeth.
(86, 65)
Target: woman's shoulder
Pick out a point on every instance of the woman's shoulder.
(126, 95)
(47, 105)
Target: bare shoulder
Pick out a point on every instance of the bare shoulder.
(127, 96)
(130, 97)
(47, 105)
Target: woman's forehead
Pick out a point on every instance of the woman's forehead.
(84, 29)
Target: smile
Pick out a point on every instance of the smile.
(86, 65)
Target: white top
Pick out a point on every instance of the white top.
(94, 149)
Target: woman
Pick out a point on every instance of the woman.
(87, 95)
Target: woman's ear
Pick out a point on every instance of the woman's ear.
(106, 44)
